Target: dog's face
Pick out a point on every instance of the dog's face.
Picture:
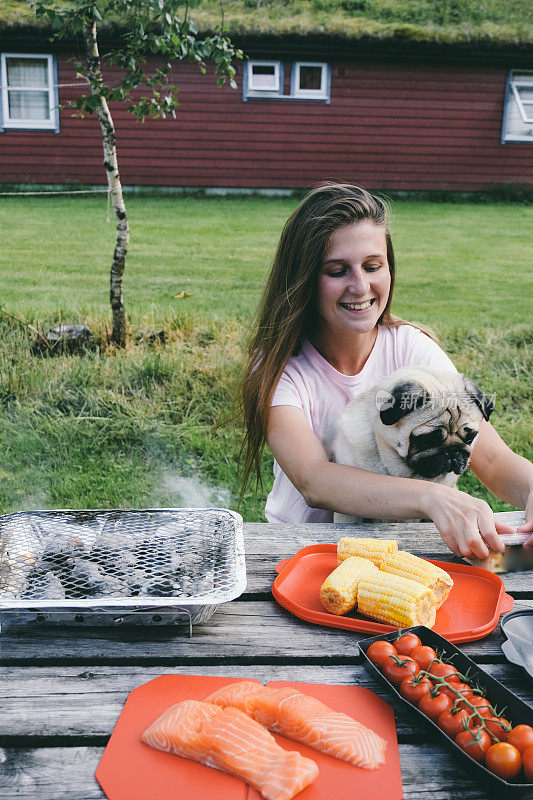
(430, 421)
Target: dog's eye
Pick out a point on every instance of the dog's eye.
(425, 441)
(469, 435)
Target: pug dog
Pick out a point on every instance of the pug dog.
(415, 423)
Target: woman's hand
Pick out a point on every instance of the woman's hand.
(527, 526)
(466, 524)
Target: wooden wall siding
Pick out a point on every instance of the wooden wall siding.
(393, 126)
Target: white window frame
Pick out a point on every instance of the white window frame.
(259, 91)
(514, 86)
(311, 94)
(512, 93)
(52, 123)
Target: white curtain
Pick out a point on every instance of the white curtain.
(28, 105)
(27, 72)
(264, 77)
(24, 101)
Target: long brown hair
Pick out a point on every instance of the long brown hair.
(286, 313)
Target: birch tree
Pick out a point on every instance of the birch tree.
(148, 28)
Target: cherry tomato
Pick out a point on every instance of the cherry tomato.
(463, 688)
(433, 705)
(475, 742)
(397, 668)
(406, 643)
(378, 652)
(527, 759)
(413, 689)
(482, 705)
(452, 724)
(441, 670)
(521, 736)
(504, 760)
(499, 727)
(423, 655)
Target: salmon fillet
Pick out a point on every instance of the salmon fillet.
(229, 740)
(305, 719)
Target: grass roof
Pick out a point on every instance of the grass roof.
(480, 22)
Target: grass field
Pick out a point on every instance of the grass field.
(156, 425)
(491, 22)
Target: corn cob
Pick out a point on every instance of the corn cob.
(374, 549)
(398, 601)
(410, 566)
(338, 593)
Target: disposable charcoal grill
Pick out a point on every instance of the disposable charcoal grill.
(155, 566)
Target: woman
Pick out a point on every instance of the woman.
(324, 333)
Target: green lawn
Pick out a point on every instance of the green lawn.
(216, 250)
(491, 22)
(156, 425)
(457, 262)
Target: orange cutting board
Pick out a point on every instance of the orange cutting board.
(471, 610)
(131, 770)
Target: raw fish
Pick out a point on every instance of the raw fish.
(231, 741)
(305, 719)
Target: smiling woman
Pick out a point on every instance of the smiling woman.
(324, 334)
(354, 284)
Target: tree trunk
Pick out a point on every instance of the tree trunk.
(94, 73)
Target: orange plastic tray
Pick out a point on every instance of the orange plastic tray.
(131, 770)
(471, 611)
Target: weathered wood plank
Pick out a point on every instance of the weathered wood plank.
(243, 631)
(390, 530)
(267, 544)
(67, 773)
(62, 773)
(69, 701)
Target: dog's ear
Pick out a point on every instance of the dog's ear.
(404, 398)
(485, 404)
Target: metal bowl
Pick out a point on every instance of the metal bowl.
(517, 626)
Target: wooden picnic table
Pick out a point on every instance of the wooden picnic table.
(62, 690)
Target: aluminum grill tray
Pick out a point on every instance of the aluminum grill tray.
(165, 565)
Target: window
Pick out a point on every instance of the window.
(29, 93)
(518, 112)
(310, 81)
(263, 79)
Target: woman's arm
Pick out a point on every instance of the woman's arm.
(506, 474)
(466, 524)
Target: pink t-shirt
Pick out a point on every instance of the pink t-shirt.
(310, 382)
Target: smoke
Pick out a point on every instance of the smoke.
(173, 490)
(37, 501)
(192, 493)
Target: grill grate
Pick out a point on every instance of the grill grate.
(66, 559)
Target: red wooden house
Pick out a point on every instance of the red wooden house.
(387, 116)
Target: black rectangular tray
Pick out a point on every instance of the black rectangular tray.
(516, 711)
